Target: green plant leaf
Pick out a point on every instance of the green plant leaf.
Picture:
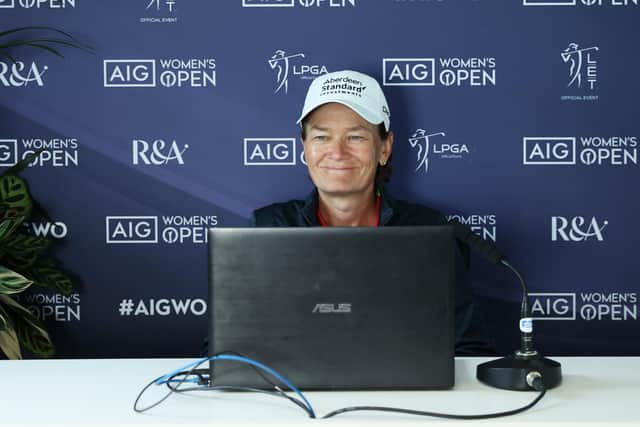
(24, 244)
(14, 306)
(4, 319)
(22, 164)
(46, 275)
(8, 226)
(34, 27)
(14, 197)
(29, 43)
(9, 344)
(30, 331)
(68, 41)
(9, 57)
(12, 282)
(20, 262)
(40, 42)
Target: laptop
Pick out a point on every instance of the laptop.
(334, 308)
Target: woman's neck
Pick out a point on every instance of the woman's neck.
(352, 210)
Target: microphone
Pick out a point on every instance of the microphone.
(510, 372)
(483, 247)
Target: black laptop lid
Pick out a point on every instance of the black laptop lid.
(334, 308)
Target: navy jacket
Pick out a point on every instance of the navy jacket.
(471, 338)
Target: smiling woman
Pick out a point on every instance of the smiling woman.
(345, 128)
(343, 152)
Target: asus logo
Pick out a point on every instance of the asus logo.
(332, 308)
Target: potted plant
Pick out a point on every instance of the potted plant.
(25, 259)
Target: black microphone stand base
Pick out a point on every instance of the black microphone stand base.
(511, 372)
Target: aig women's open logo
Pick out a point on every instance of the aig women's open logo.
(174, 229)
(38, 4)
(588, 306)
(52, 306)
(580, 2)
(484, 225)
(269, 151)
(172, 72)
(56, 152)
(301, 3)
(586, 150)
(452, 71)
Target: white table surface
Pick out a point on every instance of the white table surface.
(596, 390)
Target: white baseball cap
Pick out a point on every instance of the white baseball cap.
(357, 91)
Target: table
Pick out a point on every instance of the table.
(598, 390)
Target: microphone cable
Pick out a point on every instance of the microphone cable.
(536, 383)
(191, 374)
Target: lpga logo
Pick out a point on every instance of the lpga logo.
(420, 139)
(280, 62)
(577, 58)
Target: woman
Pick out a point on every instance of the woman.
(345, 126)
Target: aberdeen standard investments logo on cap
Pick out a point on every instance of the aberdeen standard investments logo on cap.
(356, 90)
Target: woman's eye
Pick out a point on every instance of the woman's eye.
(355, 138)
(320, 138)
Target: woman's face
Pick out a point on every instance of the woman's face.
(342, 150)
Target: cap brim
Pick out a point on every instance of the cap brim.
(362, 112)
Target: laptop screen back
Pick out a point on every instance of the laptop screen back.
(334, 308)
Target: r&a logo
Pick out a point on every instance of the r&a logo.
(161, 153)
(577, 229)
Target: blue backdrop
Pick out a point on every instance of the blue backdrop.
(519, 117)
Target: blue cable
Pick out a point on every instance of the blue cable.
(164, 379)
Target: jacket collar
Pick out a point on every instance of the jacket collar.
(310, 207)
